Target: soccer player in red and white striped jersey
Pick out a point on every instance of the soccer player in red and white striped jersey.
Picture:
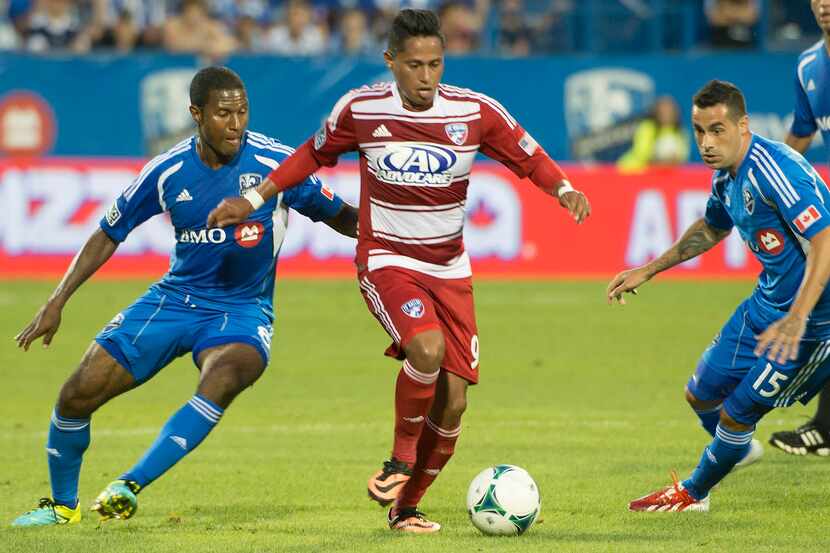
(417, 140)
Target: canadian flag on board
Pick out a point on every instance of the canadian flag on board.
(806, 218)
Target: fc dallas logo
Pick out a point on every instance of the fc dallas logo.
(770, 240)
(457, 132)
(248, 234)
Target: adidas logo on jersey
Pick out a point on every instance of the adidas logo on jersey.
(184, 196)
(381, 132)
(181, 442)
(811, 86)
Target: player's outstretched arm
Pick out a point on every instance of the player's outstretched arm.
(345, 222)
(698, 238)
(97, 250)
(781, 339)
(295, 169)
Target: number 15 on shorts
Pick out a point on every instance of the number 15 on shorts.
(771, 387)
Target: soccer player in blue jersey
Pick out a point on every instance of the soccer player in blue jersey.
(774, 349)
(812, 113)
(215, 301)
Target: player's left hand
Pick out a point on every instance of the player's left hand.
(230, 211)
(577, 205)
(781, 339)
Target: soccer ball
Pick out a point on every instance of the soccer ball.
(503, 501)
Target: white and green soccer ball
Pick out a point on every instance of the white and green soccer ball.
(503, 501)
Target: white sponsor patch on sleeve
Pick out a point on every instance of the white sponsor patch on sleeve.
(113, 214)
(806, 218)
(527, 144)
(320, 138)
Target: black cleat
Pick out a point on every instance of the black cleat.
(808, 438)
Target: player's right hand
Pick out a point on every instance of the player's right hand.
(230, 211)
(577, 205)
(45, 324)
(626, 282)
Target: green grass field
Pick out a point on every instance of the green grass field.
(586, 397)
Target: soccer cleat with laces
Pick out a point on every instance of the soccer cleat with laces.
(48, 513)
(671, 498)
(411, 520)
(805, 439)
(387, 483)
(118, 500)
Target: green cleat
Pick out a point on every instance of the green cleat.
(49, 513)
(118, 500)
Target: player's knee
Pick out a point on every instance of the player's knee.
(731, 424)
(223, 382)
(691, 399)
(76, 400)
(426, 351)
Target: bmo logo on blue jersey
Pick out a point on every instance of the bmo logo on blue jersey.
(202, 236)
(416, 165)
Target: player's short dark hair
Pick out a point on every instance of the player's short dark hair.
(212, 78)
(721, 92)
(410, 23)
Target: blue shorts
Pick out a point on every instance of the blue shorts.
(750, 386)
(161, 326)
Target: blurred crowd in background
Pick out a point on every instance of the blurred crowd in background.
(216, 28)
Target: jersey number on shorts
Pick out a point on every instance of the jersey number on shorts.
(474, 351)
(774, 382)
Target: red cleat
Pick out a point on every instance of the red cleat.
(671, 498)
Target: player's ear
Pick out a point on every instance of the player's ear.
(389, 59)
(196, 114)
(743, 123)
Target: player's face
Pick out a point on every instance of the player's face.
(821, 10)
(418, 69)
(223, 120)
(719, 137)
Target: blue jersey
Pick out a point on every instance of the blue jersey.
(812, 94)
(778, 202)
(226, 267)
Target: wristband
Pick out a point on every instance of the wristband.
(566, 187)
(255, 198)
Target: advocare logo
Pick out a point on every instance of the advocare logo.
(416, 164)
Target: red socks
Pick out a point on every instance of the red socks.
(435, 448)
(414, 392)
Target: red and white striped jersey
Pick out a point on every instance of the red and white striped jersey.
(415, 168)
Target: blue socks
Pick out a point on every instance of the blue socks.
(183, 432)
(65, 446)
(709, 419)
(717, 460)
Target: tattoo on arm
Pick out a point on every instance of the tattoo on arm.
(698, 238)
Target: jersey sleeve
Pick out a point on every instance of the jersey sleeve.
(804, 124)
(716, 214)
(794, 189)
(137, 203)
(505, 141)
(337, 135)
(313, 199)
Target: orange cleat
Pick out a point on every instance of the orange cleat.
(387, 483)
(411, 520)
